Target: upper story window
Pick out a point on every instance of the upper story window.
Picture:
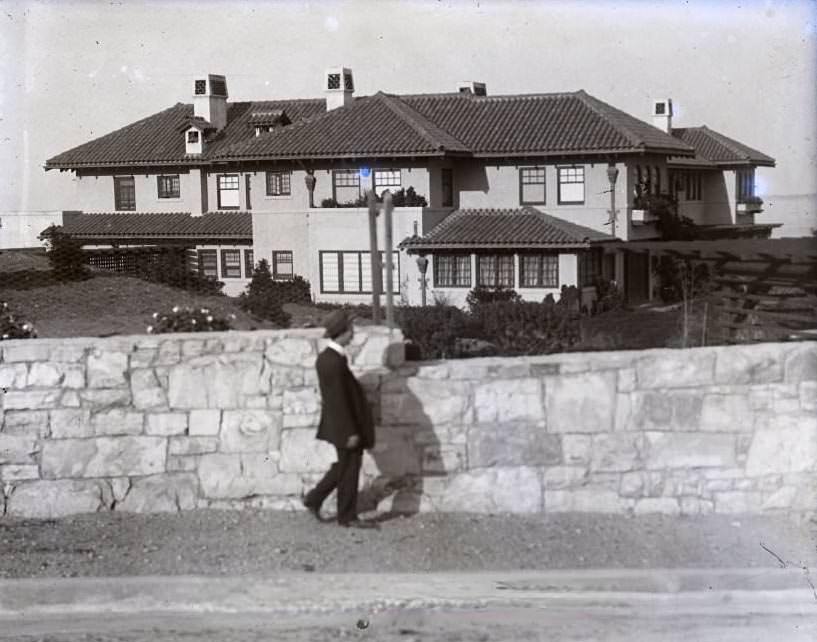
(346, 185)
(168, 186)
(447, 187)
(278, 184)
(124, 193)
(571, 185)
(385, 179)
(531, 185)
(228, 197)
(746, 184)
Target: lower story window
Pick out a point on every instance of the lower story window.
(249, 263)
(231, 264)
(208, 263)
(495, 270)
(589, 267)
(351, 272)
(282, 265)
(539, 270)
(452, 270)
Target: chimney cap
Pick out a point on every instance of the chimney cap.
(339, 79)
(472, 87)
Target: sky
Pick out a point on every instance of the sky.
(73, 70)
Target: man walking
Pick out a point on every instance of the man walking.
(346, 423)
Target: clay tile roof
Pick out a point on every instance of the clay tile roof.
(176, 225)
(715, 149)
(525, 227)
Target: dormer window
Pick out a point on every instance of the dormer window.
(193, 137)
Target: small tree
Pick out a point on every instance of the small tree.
(65, 254)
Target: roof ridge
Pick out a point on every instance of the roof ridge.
(599, 108)
(417, 121)
(726, 142)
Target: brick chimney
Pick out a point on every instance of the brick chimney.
(210, 99)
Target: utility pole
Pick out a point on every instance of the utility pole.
(388, 208)
(374, 254)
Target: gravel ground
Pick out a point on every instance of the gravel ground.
(260, 542)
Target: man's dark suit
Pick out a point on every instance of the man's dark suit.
(344, 412)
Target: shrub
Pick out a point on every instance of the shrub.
(434, 330)
(482, 294)
(608, 296)
(265, 297)
(188, 320)
(13, 328)
(64, 254)
(172, 269)
(401, 198)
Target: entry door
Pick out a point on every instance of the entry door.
(637, 277)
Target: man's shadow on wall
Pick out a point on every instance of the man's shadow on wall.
(404, 455)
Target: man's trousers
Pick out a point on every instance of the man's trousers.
(343, 475)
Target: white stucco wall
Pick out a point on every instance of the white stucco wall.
(95, 192)
(20, 230)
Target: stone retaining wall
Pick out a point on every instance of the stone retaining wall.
(176, 422)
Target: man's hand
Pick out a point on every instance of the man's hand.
(353, 441)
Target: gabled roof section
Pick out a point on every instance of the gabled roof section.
(525, 227)
(717, 150)
(176, 225)
(378, 125)
(197, 121)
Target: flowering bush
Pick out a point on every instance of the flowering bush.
(11, 328)
(188, 320)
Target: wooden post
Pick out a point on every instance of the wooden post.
(388, 208)
(374, 255)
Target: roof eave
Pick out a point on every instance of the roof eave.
(585, 152)
(430, 247)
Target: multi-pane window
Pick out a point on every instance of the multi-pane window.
(351, 272)
(746, 184)
(168, 186)
(571, 185)
(278, 184)
(231, 264)
(249, 263)
(282, 265)
(693, 191)
(124, 193)
(447, 187)
(539, 270)
(346, 185)
(589, 267)
(228, 191)
(532, 185)
(208, 263)
(495, 270)
(452, 270)
(386, 179)
(193, 136)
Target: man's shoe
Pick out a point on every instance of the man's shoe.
(315, 511)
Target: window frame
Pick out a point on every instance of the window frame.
(282, 190)
(200, 254)
(498, 271)
(522, 183)
(338, 174)
(560, 182)
(745, 178)
(161, 181)
(453, 256)
(119, 206)
(363, 256)
(389, 184)
(541, 271)
(237, 190)
(249, 262)
(223, 260)
(277, 255)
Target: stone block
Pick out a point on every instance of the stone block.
(204, 422)
(397, 453)
(626, 380)
(217, 381)
(26, 350)
(689, 450)
(663, 505)
(18, 449)
(13, 375)
(509, 400)
(25, 422)
(577, 449)
(788, 444)
(143, 357)
(676, 369)
(586, 500)
(615, 452)
(161, 494)
(726, 413)
(290, 351)
(53, 499)
(167, 423)
(581, 403)
(302, 453)
(306, 401)
(234, 476)
(118, 421)
(676, 410)
(808, 396)
(103, 457)
(428, 402)
(69, 352)
(192, 445)
(107, 369)
(749, 364)
(255, 402)
(783, 498)
(44, 375)
(105, 398)
(182, 463)
(19, 472)
(284, 378)
(146, 390)
(738, 502)
(494, 490)
(696, 506)
(244, 431)
(71, 423)
(440, 460)
(559, 477)
(30, 399)
(169, 353)
(801, 363)
(516, 444)
(634, 484)
(70, 399)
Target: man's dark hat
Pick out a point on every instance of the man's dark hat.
(336, 323)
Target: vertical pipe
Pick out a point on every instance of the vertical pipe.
(374, 255)
(388, 208)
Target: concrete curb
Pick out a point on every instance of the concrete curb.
(751, 590)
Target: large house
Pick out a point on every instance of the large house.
(512, 190)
